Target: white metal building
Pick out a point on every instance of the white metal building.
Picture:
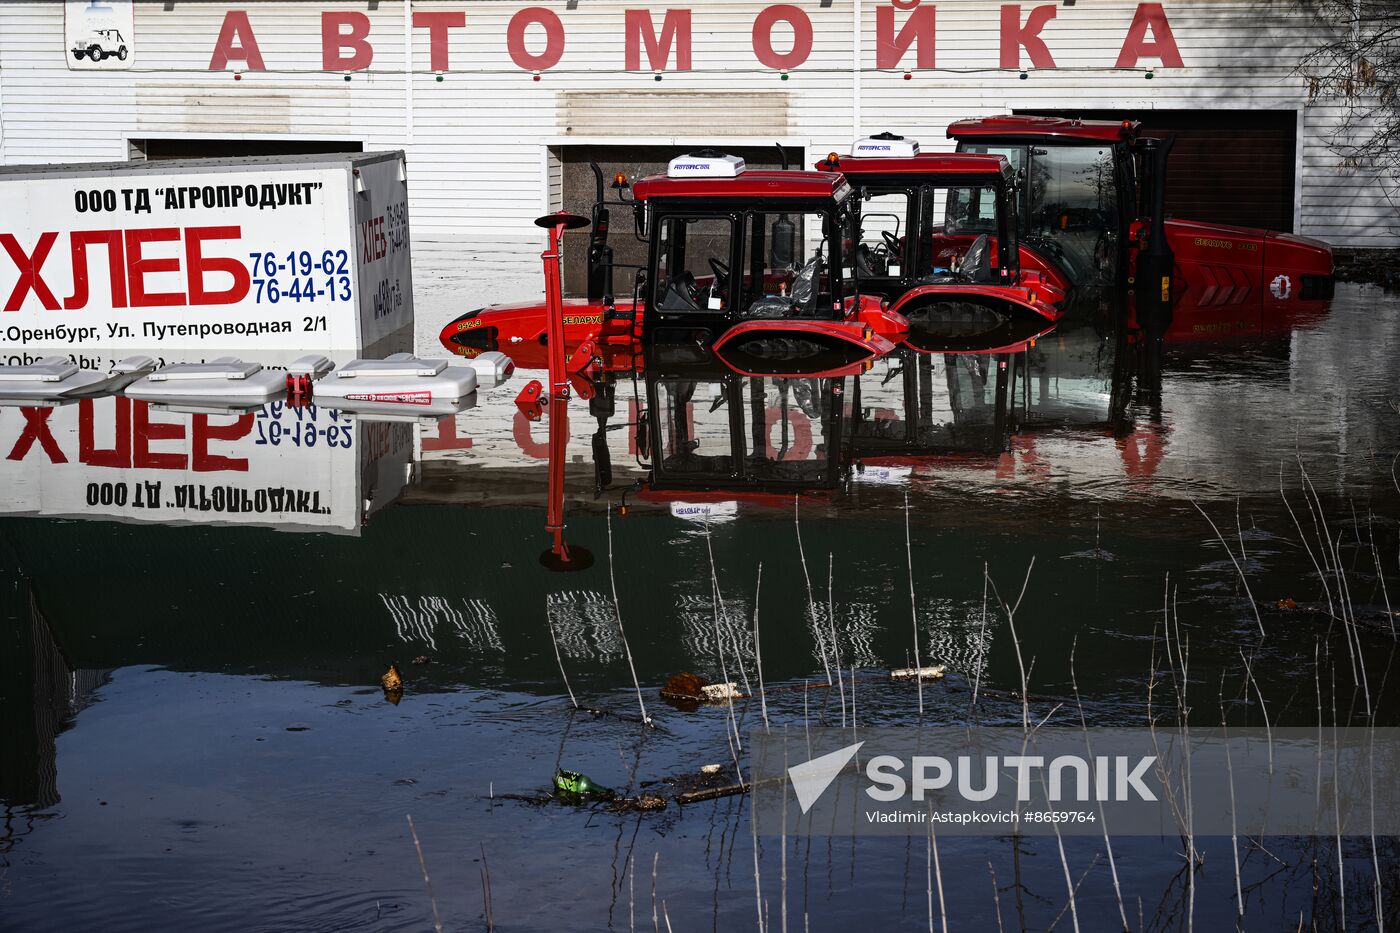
(491, 97)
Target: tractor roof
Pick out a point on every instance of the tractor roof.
(829, 186)
(942, 163)
(1013, 125)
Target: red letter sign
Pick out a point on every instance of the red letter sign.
(236, 28)
(334, 41)
(918, 28)
(437, 25)
(29, 267)
(1014, 36)
(197, 265)
(1149, 16)
(763, 36)
(553, 38)
(675, 32)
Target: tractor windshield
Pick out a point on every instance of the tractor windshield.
(1069, 207)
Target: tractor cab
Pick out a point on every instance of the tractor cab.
(1093, 202)
(1077, 187)
(936, 235)
(929, 219)
(730, 247)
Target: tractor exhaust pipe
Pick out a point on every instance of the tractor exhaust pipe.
(1155, 261)
(600, 254)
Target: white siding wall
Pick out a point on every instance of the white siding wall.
(477, 141)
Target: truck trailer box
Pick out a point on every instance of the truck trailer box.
(184, 258)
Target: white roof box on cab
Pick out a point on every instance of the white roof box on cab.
(885, 145)
(705, 163)
(401, 379)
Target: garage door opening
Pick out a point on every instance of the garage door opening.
(217, 148)
(572, 188)
(1228, 166)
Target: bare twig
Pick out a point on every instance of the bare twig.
(427, 881)
(913, 605)
(617, 607)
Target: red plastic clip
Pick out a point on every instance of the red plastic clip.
(298, 389)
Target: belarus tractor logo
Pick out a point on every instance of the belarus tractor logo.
(1281, 287)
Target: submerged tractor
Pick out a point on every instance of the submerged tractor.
(929, 236)
(1091, 202)
(749, 265)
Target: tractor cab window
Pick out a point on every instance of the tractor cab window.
(788, 265)
(1073, 208)
(882, 248)
(692, 265)
(959, 227)
(1068, 209)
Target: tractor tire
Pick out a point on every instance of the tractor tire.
(121, 54)
(95, 53)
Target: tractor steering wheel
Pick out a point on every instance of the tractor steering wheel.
(892, 243)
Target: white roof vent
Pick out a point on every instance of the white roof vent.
(885, 145)
(705, 163)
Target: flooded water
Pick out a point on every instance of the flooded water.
(194, 732)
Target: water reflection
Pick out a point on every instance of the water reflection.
(114, 458)
(1054, 450)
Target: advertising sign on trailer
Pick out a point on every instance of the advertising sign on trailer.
(227, 254)
(99, 35)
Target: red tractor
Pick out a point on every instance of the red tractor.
(928, 233)
(747, 264)
(1091, 203)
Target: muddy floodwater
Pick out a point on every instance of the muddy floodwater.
(193, 733)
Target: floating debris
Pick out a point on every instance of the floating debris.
(639, 802)
(711, 769)
(392, 682)
(935, 672)
(422, 659)
(1288, 602)
(718, 693)
(684, 686)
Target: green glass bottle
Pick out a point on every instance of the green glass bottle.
(579, 785)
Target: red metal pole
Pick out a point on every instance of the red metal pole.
(558, 400)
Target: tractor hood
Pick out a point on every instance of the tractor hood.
(1299, 254)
